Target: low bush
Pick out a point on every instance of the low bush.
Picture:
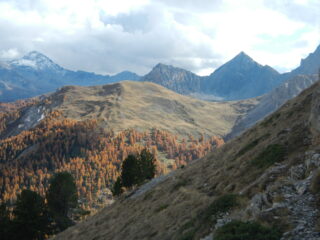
(221, 205)
(237, 230)
(270, 155)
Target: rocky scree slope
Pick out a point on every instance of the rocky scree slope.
(269, 168)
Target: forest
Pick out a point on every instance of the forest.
(90, 153)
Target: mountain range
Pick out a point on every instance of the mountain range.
(35, 74)
(240, 78)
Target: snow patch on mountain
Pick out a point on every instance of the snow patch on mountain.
(24, 62)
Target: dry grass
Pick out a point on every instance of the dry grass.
(188, 192)
(145, 105)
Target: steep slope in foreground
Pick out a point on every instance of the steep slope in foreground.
(270, 169)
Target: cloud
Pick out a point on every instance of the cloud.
(9, 54)
(107, 36)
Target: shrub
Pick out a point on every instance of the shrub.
(248, 147)
(222, 205)
(251, 145)
(237, 230)
(270, 155)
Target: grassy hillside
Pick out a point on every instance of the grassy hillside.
(271, 170)
(144, 105)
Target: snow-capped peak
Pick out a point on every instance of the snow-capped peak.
(37, 61)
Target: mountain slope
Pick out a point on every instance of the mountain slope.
(269, 167)
(308, 66)
(271, 101)
(140, 105)
(241, 78)
(176, 79)
(36, 74)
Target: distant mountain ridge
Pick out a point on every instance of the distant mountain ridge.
(176, 79)
(294, 83)
(239, 78)
(35, 74)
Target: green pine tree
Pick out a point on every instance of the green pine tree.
(31, 218)
(62, 196)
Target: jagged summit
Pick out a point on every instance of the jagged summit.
(168, 67)
(176, 79)
(308, 65)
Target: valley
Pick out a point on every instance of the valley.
(89, 131)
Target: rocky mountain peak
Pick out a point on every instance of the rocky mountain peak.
(176, 79)
(36, 60)
(241, 60)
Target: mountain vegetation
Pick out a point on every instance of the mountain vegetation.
(33, 217)
(93, 156)
(135, 170)
(258, 185)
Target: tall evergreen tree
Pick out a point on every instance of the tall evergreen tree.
(130, 171)
(31, 218)
(138, 168)
(62, 196)
(147, 164)
(117, 187)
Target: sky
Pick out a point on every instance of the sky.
(110, 36)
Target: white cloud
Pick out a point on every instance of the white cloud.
(108, 36)
(9, 54)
